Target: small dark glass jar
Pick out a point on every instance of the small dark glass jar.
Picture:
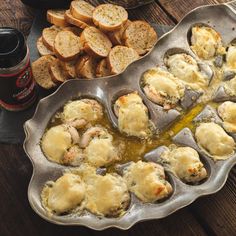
(17, 87)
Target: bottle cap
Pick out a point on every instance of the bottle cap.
(13, 48)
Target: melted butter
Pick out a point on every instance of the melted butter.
(133, 148)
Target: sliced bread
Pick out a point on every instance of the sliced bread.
(120, 57)
(57, 17)
(67, 45)
(72, 20)
(43, 50)
(76, 30)
(48, 36)
(69, 68)
(86, 67)
(40, 70)
(109, 17)
(140, 36)
(82, 10)
(95, 42)
(116, 37)
(57, 72)
(102, 69)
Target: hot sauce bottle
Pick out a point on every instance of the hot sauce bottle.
(17, 87)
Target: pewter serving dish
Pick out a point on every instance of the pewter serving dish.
(107, 90)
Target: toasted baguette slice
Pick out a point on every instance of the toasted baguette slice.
(102, 69)
(95, 42)
(43, 50)
(109, 17)
(40, 69)
(86, 67)
(69, 68)
(49, 35)
(116, 37)
(57, 73)
(67, 46)
(82, 10)
(120, 57)
(57, 17)
(76, 30)
(72, 20)
(140, 36)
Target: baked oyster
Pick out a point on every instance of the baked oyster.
(57, 141)
(206, 42)
(187, 69)
(106, 195)
(227, 112)
(132, 114)
(99, 149)
(212, 138)
(147, 181)
(81, 112)
(162, 87)
(63, 195)
(185, 163)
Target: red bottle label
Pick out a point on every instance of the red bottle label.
(17, 91)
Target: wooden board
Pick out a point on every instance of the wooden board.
(176, 9)
(210, 215)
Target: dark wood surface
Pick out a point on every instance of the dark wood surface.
(209, 215)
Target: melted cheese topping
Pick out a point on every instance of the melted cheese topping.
(184, 162)
(65, 194)
(147, 181)
(55, 143)
(163, 83)
(206, 42)
(74, 156)
(185, 68)
(101, 151)
(133, 116)
(107, 195)
(230, 87)
(212, 138)
(87, 109)
(227, 112)
(231, 57)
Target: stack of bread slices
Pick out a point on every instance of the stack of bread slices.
(89, 42)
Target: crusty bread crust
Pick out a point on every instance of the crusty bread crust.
(95, 42)
(42, 49)
(40, 70)
(67, 46)
(120, 57)
(109, 17)
(82, 10)
(86, 67)
(48, 36)
(102, 69)
(69, 68)
(57, 17)
(57, 73)
(116, 37)
(72, 20)
(76, 30)
(140, 36)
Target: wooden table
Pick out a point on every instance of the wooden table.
(210, 215)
